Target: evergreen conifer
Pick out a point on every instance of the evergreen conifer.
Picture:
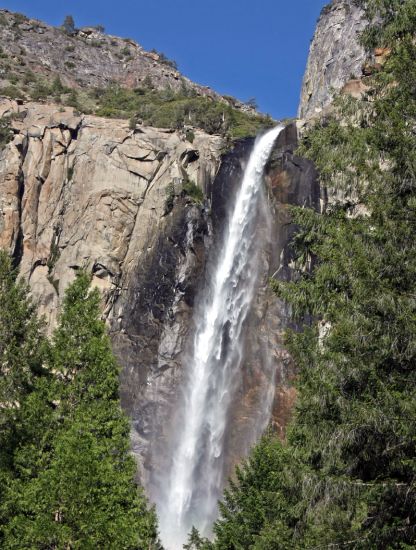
(76, 487)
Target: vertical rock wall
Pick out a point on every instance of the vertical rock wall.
(335, 55)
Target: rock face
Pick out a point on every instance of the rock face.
(291, 181)
(86, 192)
(87, 57)
(335, 56)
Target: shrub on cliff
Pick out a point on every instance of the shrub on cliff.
(192, 190)
(6, 133)
(165, 60)
(11, 91)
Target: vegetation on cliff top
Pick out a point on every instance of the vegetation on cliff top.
(159, 108)
(167, 109)
(150, 105)
(66, 474)
(146, 105)
(346, 476)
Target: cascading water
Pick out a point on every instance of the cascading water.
(191, 487)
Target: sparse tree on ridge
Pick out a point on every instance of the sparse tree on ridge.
(69, 25)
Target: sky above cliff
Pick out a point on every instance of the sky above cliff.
(245, 48)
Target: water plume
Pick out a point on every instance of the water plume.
(191, 487)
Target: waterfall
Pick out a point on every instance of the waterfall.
(193, 484)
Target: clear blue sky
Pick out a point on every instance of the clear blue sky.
(245, 48)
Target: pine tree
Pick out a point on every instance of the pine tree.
(263, 490)
(20, 338)
(21, 354)
(196, 542)
(82, 492)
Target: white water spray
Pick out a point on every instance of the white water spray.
(193, 484)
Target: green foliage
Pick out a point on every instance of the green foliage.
(391, 21)
(29, 77)
(20, 336)
(57, 87)
(21, 355)
(348, 469)
(259, 501)
(243, 124)
(167, 109)
(54, 252)
(165, 60)
(12, 78)
(190, 136)
(196, 542)
(11, 91)
(70, 478)
(40, 91)
(170, 198)
(192, 190)
(133, 123)
(6, 133)
(72, 100)
(19, 18)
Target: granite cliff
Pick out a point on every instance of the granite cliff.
(336, 57)
(141, 208)
(86, 192)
